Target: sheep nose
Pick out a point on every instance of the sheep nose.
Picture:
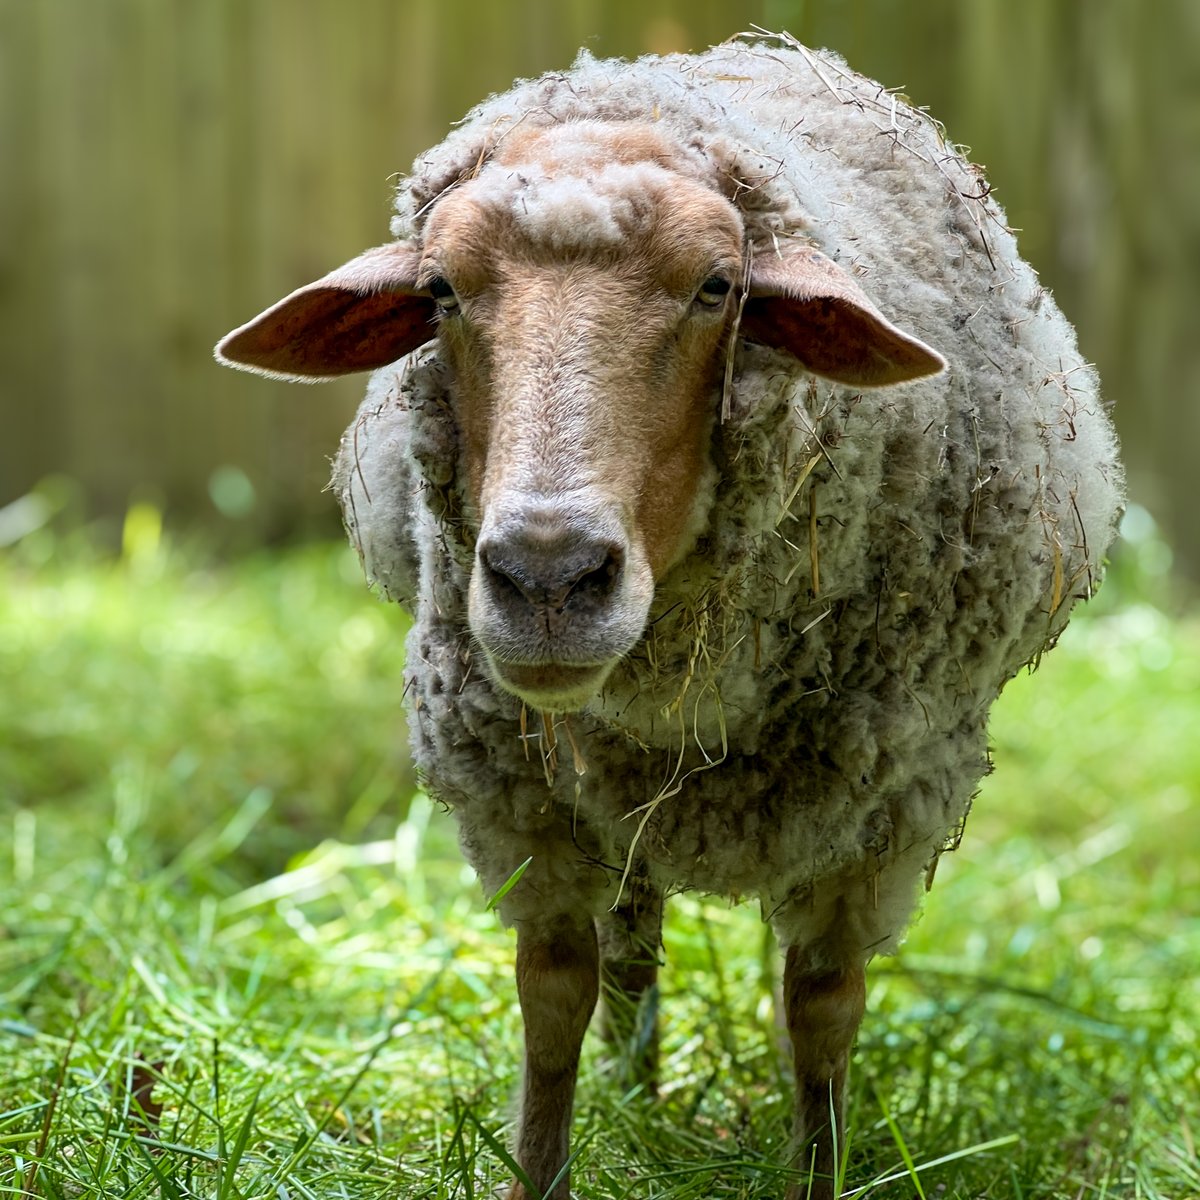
(551, 565)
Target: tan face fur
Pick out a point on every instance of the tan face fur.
(587, 352)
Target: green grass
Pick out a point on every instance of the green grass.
(238, 957)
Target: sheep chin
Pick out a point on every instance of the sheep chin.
(551, 687)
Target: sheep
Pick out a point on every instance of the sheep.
(730, 460)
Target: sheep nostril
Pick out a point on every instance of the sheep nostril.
(595, 583)
(505, 575)
(553, 577)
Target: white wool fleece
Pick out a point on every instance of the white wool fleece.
(804, 721)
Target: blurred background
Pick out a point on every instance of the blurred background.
(170, 167)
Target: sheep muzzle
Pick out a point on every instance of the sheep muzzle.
(559, 593)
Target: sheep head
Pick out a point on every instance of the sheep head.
(583, 285)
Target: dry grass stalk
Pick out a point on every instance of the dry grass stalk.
(813, 556)
(549, 748)
(577, 759)
(805, 472)
(731, 353)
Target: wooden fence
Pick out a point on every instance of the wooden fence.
(167, 167)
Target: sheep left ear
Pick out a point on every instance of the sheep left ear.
(804, 303)
(366, 314)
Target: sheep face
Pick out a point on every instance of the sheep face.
(583, 283)
(585, 318)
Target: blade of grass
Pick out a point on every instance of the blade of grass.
(499, 1150)
(954, 1156)
(901, 1145)
(508, 885)
(229, 1166)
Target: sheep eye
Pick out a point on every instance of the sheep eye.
(713, 291)
(443, 295)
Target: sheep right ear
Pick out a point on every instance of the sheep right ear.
(366, 314)
(803, 302)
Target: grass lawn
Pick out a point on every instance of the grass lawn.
(239, 957)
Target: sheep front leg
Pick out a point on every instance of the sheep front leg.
(823, 1010)
(558, 979)
(630, 937)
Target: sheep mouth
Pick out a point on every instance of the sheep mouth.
(552, 686)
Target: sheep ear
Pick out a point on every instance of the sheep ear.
(364, 315)
(802, 302)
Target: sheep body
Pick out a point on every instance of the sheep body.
(805, 719)
(622, 487)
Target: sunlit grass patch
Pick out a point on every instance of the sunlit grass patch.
(164, 681)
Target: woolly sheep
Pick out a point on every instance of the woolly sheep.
(716, 569)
